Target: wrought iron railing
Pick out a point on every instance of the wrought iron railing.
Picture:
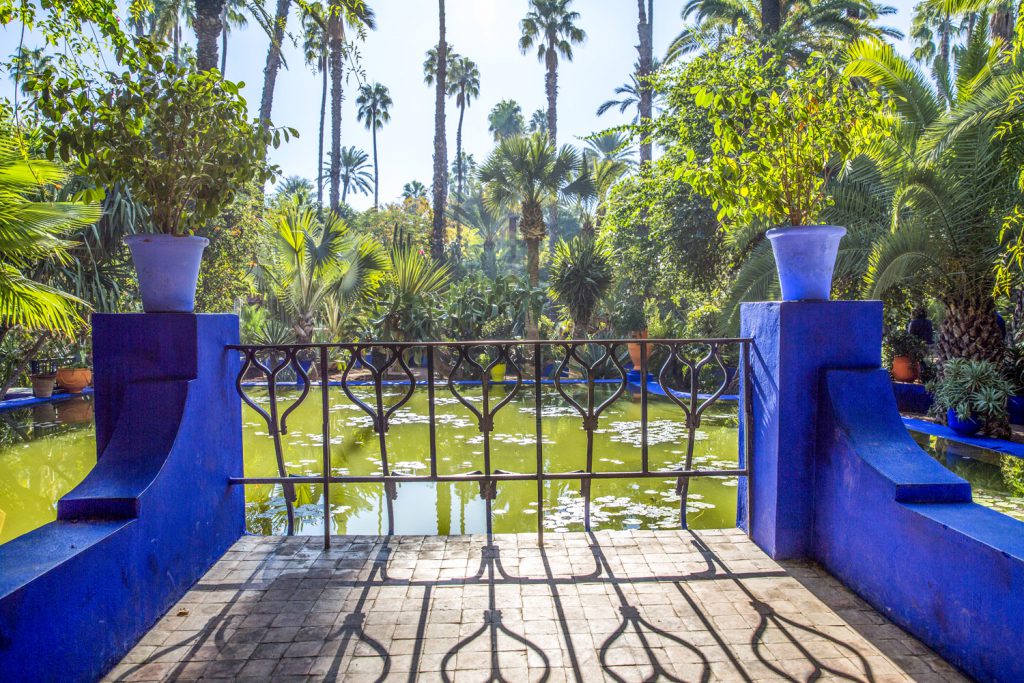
(694, 374)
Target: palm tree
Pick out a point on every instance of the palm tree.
(523, 174)
(209, 22)
(645, 68)
(32, 231)
(355, 172)
(590, 189)
(538, 122)
(505, 120)
(632, 94)
(414, 189)
(439, 76)
(582, 273)
(274, 60)
(935, 33)
(475, 214)
(611, 146)
(293, 189)
(947, 192)
(551, 27)
(1002, 15)
(315, 50)
(233, 16)
(312, 262)
(357, 15)
(464, 83)
(795, 28)
(374, 103)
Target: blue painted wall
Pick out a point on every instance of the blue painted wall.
(154, 514)
(794, 341)
(847, 486)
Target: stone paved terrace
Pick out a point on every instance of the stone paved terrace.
(616, 606)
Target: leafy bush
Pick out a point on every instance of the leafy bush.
(780, 133)
(180, 140)
(972, 387)
(902, 343)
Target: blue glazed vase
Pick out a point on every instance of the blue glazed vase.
(1015, 407)
(168, 269)
(805, 257)
(968, 427)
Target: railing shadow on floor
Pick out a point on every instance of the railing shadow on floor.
(270, 614)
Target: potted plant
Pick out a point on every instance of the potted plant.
(781, 132)
(500, 329)
(179, 140)
(77, 374)
(905, 351)
(630, 320)
(43, 373)
(972, 392)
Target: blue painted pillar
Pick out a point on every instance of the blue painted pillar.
(150, 518)
(794, 341)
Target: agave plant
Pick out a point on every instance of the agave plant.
(972, 387)
(410, 296)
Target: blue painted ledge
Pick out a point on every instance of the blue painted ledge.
(28, 401)
(901, 530)
(152, 516)
(933, 429)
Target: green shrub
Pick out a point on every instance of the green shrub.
(972, 387)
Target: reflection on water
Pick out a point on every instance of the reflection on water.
(457, 507)
(982, 468)
(47, 450)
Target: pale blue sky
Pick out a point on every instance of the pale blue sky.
(485, 30)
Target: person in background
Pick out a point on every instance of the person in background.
(921, 326)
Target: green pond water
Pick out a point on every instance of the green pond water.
(47, 450)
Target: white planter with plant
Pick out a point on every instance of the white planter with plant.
(181, 142)
(780, 135)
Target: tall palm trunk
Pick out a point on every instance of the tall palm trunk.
(532, 227)
(458, 150)
(489, 263)
(320, 141)
(551, 90)
(344, 190)
(176, 49)
(645, 32)
(224, 39)
(273, 62)
(1001, 26)
(376, 172)
(513, 222)
(335, 45)
(771, 16)
(440, 144)
(208, 27)
(970, 329)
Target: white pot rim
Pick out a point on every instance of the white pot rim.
(805, 230)
(158, 237)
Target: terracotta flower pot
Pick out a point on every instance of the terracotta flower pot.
(42, 385)
(634, 349)
(905, 369)
(74, 379)
(74, 411)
